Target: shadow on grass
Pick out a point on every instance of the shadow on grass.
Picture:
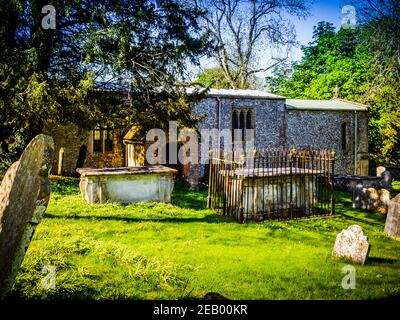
(344, 198)
(372, 220)
(391, 297)
(379, 261)
(186, 198)
(211, 218)
(64, 185)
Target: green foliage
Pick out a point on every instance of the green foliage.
(213, 78)
(384, 124)
(183, 250)
(331, 59)
(382, 33)
(363, 65)
(49, 76)
(64, 185)
(216, 78)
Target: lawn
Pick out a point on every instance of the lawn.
(183, 250)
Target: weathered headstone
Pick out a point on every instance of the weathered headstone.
(373, 199)
(392, 224)
(384, 198)
(380, 170)
(359, 197)
(352, 244)
(386, 181)
(24, 194)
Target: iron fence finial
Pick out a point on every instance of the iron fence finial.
(293, 152)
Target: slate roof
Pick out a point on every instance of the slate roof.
(238, 93)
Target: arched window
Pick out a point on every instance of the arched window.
(344, 136)
(242, 122)
(242, 118)
(249, 124)
(235, 120)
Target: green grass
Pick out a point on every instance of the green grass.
(183, 250)
(395, 188)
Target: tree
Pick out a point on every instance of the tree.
(333, 59)
(213, 78)
(381, 22)
(364, 63)
(50, 75)
(243, 30)
(151, 43)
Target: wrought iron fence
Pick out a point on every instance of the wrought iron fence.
(272, 184)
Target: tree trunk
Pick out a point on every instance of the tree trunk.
(392, 225)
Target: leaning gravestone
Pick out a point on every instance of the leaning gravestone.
(24, 194)
(392, 224)
(352, 244)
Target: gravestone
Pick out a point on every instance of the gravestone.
(384, 198)
(24, 194)
(386, 181)
(352, 244)
(373, 199)
(392, 224)
(359, 197)
(380, 170)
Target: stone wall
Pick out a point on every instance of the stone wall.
(275, 126)
(322, 129)
(113, 159)
(72, 138)
(269, 116)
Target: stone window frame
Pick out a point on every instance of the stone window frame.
(106, 140)
(242, 123)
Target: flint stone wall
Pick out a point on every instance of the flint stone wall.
(322, 129)
(275, 126)
(268, 118)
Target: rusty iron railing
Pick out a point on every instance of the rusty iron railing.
(272, 184)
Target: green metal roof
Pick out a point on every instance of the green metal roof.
(324, 105)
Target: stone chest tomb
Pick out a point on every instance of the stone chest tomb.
(273, 184)
(127, 185)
